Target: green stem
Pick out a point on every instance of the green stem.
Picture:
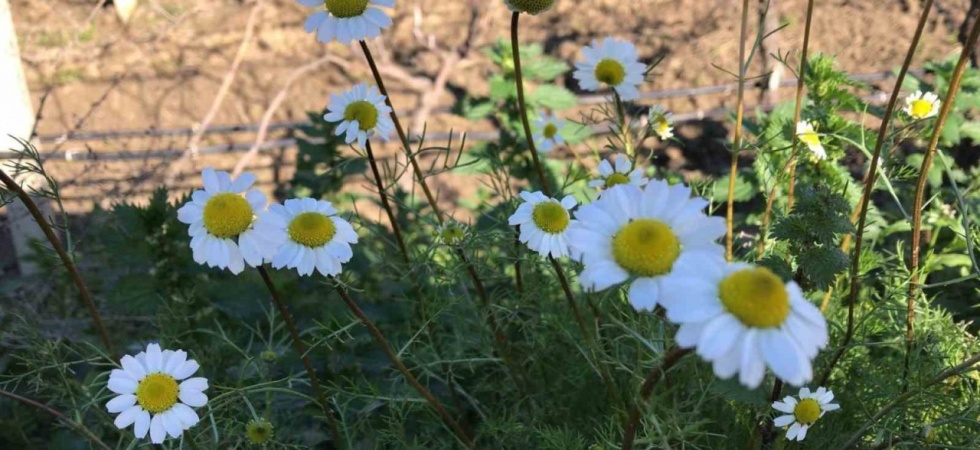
(301, 351)
(57, 415)
(739, 113)
(379, 182)
(670, 359)
(522, 105)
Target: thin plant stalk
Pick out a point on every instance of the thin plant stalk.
(869, 182)
(522, 105)
(670, 359)
(739, 113)
(393, 357)
(379, 182)
(920, 187)
(302, 352)
(66, 260)
(797, 116)
(58, 415)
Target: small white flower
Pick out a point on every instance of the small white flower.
(451, 232)
(347, 20)
(803, 413)
(662, 122)
(155, 393)
(635, 235)
(544, 223)
(613, 63)
(227, 223)
(808, 136)
(922, 106)
(529, 6)
(314, 237)
(362, 113)
(549, 133)
(610, 175)
(742, 318)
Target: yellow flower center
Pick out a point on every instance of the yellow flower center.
(646, 248)
(346, 8)
(662, 126)
(757, 297)
(452, 235)
(312, 229)
(259, 431)
(157, 392)
(364, 112)
(616, 178)
(610, 71)
(550, 130)
(807, 411)
(227, 215)
(810, 138)
(550, 217)
(921, 108)
(532, 6)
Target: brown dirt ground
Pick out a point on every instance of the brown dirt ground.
(164, 68)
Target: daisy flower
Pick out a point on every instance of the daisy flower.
(362, 113)
(922, 106)
(155, 393)
(259, 431)
(544, 223)
(634, 235)
(801, 414)
(613, 63)
(314, 237)
(227, 223)
(662, 122)
(808, 136)
(548, 137)
(742, 318)
(530, 6)
(451, 233)
(347, 20)
(610, 175)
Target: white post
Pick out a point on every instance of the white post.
(16, 119)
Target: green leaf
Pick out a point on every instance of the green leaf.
(552, 97)
(821, 265)
(745, 188)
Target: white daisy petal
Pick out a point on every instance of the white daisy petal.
(120, 403)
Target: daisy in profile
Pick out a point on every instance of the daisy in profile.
(635, 235)
(529, 6)
(451, 233)
(155, 393)
(227, 225)
(922, 106)
(345, 21)
(544, 223)
(612, 175)
(809, 137)
(315, 237)
(742, 318)
(362, 113)
(662, 122)
(613, 63)
(801, 414)
(548, 136)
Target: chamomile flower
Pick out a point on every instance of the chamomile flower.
(742, 318)
(259, 431)
(544, 223)
(530, 6)
(635, 235)
(451, 233)
(662, 122)
(548, 136)
(227, 223)
(803, 413)
(613, 63)
(314, 237)
(155, 393)
(362, 113)
(922, 105)
(610, 175)
(347, 20)
(809, 137)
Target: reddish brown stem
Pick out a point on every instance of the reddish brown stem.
(670, 359)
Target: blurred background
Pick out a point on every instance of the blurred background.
(134, 94)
